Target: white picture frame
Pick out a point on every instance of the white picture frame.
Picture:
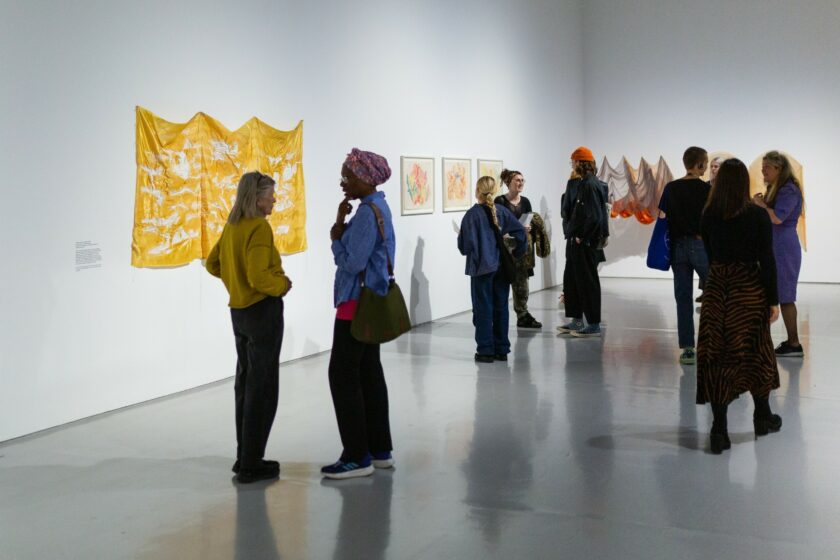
(417, 185)
(456, 184)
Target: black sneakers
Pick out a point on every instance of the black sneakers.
(785, 350)
(485, 358)
(528, 322)
(266, 471)
(271, 464)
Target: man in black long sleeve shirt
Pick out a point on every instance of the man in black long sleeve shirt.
(682, 203)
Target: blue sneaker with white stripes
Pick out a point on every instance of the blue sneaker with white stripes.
(348, 469)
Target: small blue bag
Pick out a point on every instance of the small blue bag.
(659, 249)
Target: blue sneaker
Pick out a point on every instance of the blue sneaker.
(383, 460)
(587, 331)
(570, 327)
(349, 469)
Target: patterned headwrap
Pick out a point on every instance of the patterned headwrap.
(369, 167)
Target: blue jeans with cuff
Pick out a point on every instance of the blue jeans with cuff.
(688, 255)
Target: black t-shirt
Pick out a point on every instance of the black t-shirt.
(683, 201)
(524, 206)
(746, 238)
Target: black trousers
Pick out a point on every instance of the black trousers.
(258, 330)
(581, 285)
(359, 394)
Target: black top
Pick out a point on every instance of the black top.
(683, 201)
(570, 197)
(524, 206)
(746, 238)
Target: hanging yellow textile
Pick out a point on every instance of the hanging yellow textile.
(187, 176)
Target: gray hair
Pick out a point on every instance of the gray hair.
(252, 186)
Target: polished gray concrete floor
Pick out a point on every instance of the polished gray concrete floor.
(574, 449)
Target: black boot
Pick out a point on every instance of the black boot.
(720, 434)
(764, 421)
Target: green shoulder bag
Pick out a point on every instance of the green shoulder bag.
(378, 318)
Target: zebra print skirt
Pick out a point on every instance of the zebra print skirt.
(734, 348)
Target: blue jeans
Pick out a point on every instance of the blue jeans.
(490, 294)
(688, 255)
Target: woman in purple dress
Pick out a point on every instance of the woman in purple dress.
(783, 202)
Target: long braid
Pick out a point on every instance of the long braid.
(486, 192)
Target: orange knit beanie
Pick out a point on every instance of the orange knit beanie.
(583, 154)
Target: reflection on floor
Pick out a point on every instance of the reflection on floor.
(574, 449)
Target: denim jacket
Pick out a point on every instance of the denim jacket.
(478, 242)
(361, 248)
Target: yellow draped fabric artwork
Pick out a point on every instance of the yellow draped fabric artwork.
(187, 176)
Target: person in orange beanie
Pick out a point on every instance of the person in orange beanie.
(586, 227)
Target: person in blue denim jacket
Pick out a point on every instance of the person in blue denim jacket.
(357, 381)
(490, 288)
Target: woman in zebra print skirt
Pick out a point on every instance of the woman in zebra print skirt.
(735, 352)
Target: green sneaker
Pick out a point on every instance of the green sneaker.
(587, 331)
(571, 326)
(688, 357)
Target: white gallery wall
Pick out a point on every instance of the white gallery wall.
(744, 76)
(489, 79)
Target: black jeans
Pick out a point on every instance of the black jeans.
(258, 330)
(359, 394)
(581, 285)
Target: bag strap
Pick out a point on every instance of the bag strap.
(380, 222)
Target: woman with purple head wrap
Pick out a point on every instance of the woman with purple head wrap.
(357, 381)
(369, 167)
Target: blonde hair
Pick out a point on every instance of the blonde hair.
(786, 174)
(252, 185)
(485, 192)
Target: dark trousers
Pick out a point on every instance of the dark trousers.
(581, 284)
(491, 316)
(688, 255)
(360, 395)
(258, 330)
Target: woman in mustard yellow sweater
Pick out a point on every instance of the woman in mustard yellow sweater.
(248, 263)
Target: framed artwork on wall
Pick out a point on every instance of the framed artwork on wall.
(417, 185)
(492, 168)
(457, 184)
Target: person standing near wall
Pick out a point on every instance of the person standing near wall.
(489, 286)
(783, 203)
(357, 380)
(682, 205)
(735, 350)
(586, 227)
(520, 206)
(247, 261)
(714, 166)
